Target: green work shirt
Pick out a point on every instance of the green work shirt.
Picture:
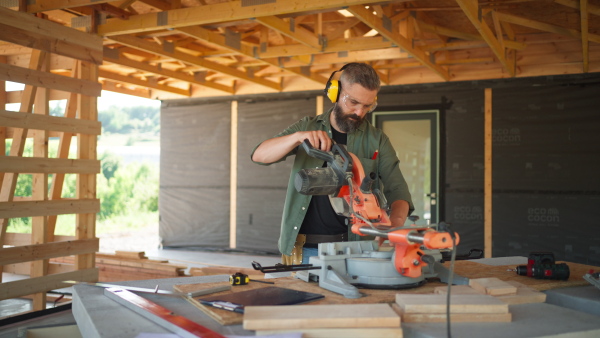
(363, 143)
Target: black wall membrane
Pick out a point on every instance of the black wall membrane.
(546, 156)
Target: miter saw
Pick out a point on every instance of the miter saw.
(413, 254)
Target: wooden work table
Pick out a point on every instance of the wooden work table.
(99, 316)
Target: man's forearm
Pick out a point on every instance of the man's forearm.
(272, 150)
(399, 213)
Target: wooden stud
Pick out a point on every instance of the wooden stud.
(39, 227)
(233, 176)
(585, 45)
(487, 185)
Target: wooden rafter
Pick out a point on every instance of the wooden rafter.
(188, 59)
(376, 23)
(471, 10)
(290, 30)
(226, 11)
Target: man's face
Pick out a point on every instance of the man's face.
(354, 104)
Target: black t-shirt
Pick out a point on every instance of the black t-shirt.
(320, 217)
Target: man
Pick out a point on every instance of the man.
(309, 220)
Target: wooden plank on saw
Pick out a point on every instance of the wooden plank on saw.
(492, 286)
(320, 316)
(431, 303)
(456, 290)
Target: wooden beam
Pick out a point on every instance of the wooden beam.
(225, 11)
(376, 23)
(41, 284)
(517, 20)
(233, 176)
(440, 30)
(585, 45)
(126, 62)
(19, 239)
(39, 189)
(295, 33)
(29, 31)
(487, 186)
(48, 80)
(189, 59)
(34, 252)
(143, 83)
(31, 165)
(49, 123)
(46, 208)
(592, 9)
(471, 10)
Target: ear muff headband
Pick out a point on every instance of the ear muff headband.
(334, 87)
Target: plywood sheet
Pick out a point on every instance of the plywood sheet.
(433, 303)
(320, 316)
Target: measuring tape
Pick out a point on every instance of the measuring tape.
(239, 278)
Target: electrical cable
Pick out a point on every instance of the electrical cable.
(451, 274)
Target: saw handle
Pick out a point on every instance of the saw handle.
(328, 156)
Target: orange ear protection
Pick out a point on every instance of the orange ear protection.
(334, 87)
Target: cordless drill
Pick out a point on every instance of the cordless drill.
(541, 265)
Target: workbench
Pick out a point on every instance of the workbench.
(572, 306)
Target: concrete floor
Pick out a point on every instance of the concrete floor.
(190, 258)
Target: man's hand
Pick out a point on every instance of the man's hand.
(318, 139)
(274, 149)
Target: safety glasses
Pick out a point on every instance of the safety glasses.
(352, 104)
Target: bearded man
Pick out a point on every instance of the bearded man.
(309, 220)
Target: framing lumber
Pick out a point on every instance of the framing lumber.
(219, 41)
(49, 123)
(585, 45)
(48, 80)
(142, 66)
(487, 175)
(376, 23)
(41, 284)
(546, 27)
(27, 30)
(15, 209)
(143, 83)
(20, 254)
(38, 165)
(233, 176)
(19, 239)
(227, 11)
(143, 45)
(294, 32)
(471, 10)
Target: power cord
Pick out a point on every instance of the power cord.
(446, 227)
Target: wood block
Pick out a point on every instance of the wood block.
(456, 290)
(224, 270)
(454, 317)
(320, 316)
(131, 254)
(414, 303)
(200, 289)
(525, 295)
(346, 333)
(492, 286)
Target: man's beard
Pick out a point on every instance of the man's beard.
(346, 122)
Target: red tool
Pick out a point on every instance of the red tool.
(541, 265)
(352, 195)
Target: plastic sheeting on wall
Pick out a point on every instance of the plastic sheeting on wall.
(194, 175)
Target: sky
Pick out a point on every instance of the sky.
(106, 99)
